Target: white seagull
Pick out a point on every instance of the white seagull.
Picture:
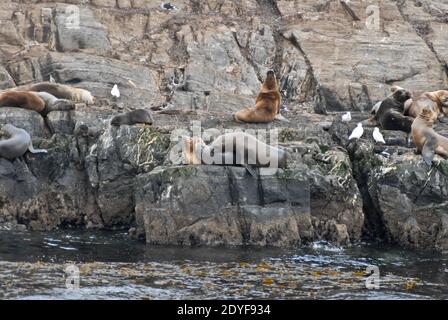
(115, 92)
(346, 117)
(378, 136)
(357, 132)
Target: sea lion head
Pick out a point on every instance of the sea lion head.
(428, 115)
(400, 94)
(271, 82)
(8, 129)
(117, 120)
(443, 97)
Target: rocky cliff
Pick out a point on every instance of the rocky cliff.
(202, 62)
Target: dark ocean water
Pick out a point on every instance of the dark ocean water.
(111, 266)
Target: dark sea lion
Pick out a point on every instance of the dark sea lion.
(17, 144)
(22, 99)
(267, 103)
(132, 117)
(389, 114)
(427, 141)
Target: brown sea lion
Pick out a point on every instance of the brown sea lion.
(267, 103)
(63, 91)
(132, 117)
(22, 99)
(389, 114)
(237, 148)
(437, 101)
(427, 141)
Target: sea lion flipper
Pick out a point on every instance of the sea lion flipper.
(32, 150)
(281, 118)
(251, 169)
(62, 105)
(428, 151)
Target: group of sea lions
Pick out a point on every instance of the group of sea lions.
(43, 98)
(239, 148)
(399, 111)
(416, 116)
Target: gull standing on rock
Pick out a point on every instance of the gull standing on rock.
(115, 92)
(378, 136)
(357, 132)
(347, 117)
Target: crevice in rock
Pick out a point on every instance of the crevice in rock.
(374, 227)
(310, 84)
(271, 7)
(349, 10)
(246, 55)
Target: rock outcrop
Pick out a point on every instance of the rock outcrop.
(202, 63)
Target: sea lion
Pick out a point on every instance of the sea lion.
(17, 144)
(63, 91)
(22, 99)
(132, 117)
(389, 114)
(236, 148)
(267, 103)
(437, 101)
(427, 141)
(54, 104)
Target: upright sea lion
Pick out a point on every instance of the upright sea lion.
(267, 103)
(22, 99)
(17, 144)
(63, 91)
(437, 101)
(389, 114)
(132, 117)
(236, 148)
(427, 141)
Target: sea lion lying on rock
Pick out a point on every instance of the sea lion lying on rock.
(437, 101)
(63, 91)
(389, 114)
(41, 102)
(22, 99)
(267, 103)
(236, 148)
(427, 141)
(17, 144)
(54, 104)
(132, 117)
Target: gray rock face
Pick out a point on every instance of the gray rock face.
(6, 80)
(411, 199)
(29, 120)
(213, 205)
(78, 29)
(343, 42)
